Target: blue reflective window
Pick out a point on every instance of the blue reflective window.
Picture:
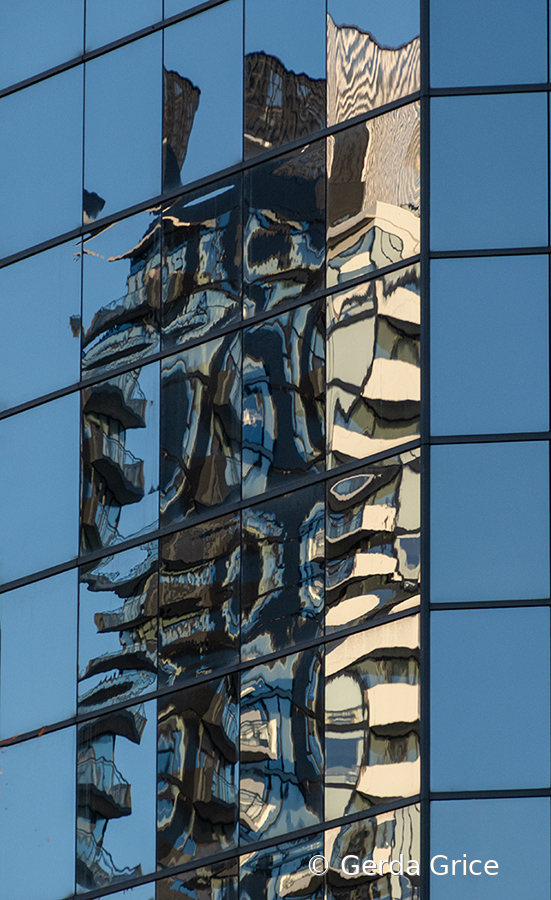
(108, 20)
(35, 36)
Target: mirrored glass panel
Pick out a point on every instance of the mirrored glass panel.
(473, 690)
(109, 20)
(482, 168)
(373, 541)
(41, 171)
(282, 871)
(118, 628)
(283, 399)
(201, 429)
(490, 522)
(38, 630)
(197, 781)
(39, 488)
(36, 36)
(489, 334)
(173, 7)
(202, 118)
(373, 55)
(120, 457)
(144, 892)
(372, 752)
(284, 241)
(373, 194)
(281, 767)
(216, 882)
(202, 247)
(283, 581)
(37, 850)
(199, 608)
(40, 310)
(122, 148)
(373, 366)
(116, 773)
(284, 73)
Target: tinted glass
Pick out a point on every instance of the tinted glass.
(283, 399)
(39, 488)
(37, 857)
(281, 747)
(197, 781)
(173, 7)
(373, 541)
(120, 457)
(36, 36)
(121, 293)
(144, 892)
(202, 262)
(482, 168)
(373, 194)
(266, 874)
(488, 42)
(202, 120)
(488, 317)
(373, 366)
(490, 522)
(284, 73)
(40, 309)
(217, 882)
(201, 429)
(200, 580)
(373, 54)
(283, 562)
(108, 20)
(118, 628)
(122, 148)
(41, 170)
(38, 662)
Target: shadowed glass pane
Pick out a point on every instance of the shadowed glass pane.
(268, 874)
(216, 882)
(36, 36)
(108, 20)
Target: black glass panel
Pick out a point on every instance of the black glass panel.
(277, 873)
(284, 239)
(199, 625)
(216, 882)
(36, 36)
(283, 399)
(201, 424)
(197, 756)
(202, 262)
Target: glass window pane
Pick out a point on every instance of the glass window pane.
(201, 429)
(173, 7)
(216, 882)
(268, 874)
(122, 150)
(203, 101)
(51, 184)
(373, 366)
(373, 194)
(284, 241)
(121, 293)
(118, 628)
(283, 402)
(37, 850)
(40, 309)
(38, 630)
(39, 488)
(202, 235)
(36, 36)
(373, 55)
(284, 73)
(490, 522)
(108, 20)
(144, 892)
(120, 458)
(483, 166)
(474, 692)
(488, 317)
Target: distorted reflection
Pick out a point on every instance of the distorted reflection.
(199, 603)
(201, 428)
(118, 628)
(215, 882)
(116, 797)
(373, 194)
(281, 872)
(372, 718)
(380, 839)
(283, 399)
(281, 764)
(284, 239)
(121, 293)
(202, 262)
(373, 366)
(283, 582)
(373, 541)
(197, 756)
(120, 456)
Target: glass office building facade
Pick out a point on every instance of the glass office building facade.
(275, 289)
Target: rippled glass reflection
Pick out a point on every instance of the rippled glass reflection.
(215, 882)
(279, 872)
